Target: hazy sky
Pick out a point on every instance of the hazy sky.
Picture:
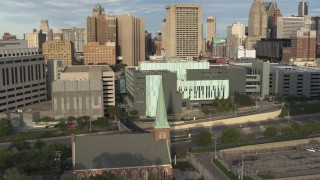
(21, 16)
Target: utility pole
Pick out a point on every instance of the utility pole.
(57, 159)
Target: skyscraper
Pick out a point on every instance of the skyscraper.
(131, 39)
(183, 30)
(272, 10)
(235, 37)
(44, 27)
(35, 39)
(76, 35)
(303, 8)
(257, 25)
(59, 50)
(211, 28)
(101, 27)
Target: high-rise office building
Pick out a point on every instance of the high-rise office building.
(303, 8)
(44, 27)
(76, 35)
(7, 36)
(101, 27)
(211, 28)
(257, 25)
(23, 79)
(183, 30)
(271, 8)
(35, 39)
(131, 39)
(96, 53)
(303, 47)
(235, 37)
(287, 26)
(59, 50)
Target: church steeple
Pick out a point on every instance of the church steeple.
(161, 125)
(161, 120)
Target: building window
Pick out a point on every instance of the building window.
(155, 173)
(90, 175)
(162, 135)
(134, 175)
(165, 174)
(144, 175)
(80, 176)
(124, 175)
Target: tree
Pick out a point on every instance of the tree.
(242, 100)
(102, 122)
(288, 131)
(15, 174)
(312, 127)
(39, 144)
(205, 110)
(62, 124)
(270, 132)
(6, 156)
(296, 126)
(113, 111)
(202, 139)
(6, 127)
(20, 145)
(80, 123)
(230, 136)
(49, 150)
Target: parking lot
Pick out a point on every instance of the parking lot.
(296, 162)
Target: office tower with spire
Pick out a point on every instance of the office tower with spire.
(183, 30)
(257, 25)
(272, 10)
(131, 39)
(101, 27)
(303, 8)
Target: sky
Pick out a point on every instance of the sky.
(21, 16)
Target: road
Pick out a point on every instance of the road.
(256, 127)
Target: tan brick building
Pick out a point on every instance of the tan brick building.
(94, 53)
(101, 27)
(303, 46)
(59, 50)
(131, 39)
(7, 36)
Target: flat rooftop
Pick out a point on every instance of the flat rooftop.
(87, 68)
(288, 68)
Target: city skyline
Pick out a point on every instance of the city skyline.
(27, 14)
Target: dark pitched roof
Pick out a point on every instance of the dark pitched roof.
(120, 150)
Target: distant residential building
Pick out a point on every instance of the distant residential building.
(35, 39)
(148, 44)
(94, 53)
(303, 47)
(23, 78)
(157, 43)
(58, 36)
(182, 30)
(303, 8)
(76, 35)
(131, 39)
(13, 44)
(59, 50)
(7, 36)
(101, 27)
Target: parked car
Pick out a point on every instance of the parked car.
(311, 150)
(317, 149)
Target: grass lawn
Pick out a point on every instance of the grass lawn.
(28, 135)
(266, 176)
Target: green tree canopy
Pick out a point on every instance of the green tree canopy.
(288, 131)
(242, 100)
(296, 126)
(15, 174)
(113, 111)
(312, 127)
(102, 122)
(6, 158)
(20, 145)
(270, 132)
(230, 136)
(202, 139)
(6, 127)
(39, 144)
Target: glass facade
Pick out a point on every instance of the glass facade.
(152, 93)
